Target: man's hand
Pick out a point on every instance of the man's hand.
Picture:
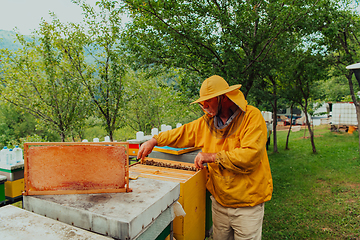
(204, 158)
(146, 148)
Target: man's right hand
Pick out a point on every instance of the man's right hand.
(202, 158)
(146, 148)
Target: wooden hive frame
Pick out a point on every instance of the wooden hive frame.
(175, 151)
(31, 179)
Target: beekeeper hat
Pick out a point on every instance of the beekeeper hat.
(214, 86)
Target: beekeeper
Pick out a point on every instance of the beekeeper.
(232, 136)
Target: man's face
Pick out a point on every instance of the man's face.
(211, 106)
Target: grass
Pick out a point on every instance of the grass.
(17, 204)
(316, 196)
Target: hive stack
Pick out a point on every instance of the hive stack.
(192, 193)
(14, 186)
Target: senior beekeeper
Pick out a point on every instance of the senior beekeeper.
(232, 136)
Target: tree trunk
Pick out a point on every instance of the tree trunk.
(80, 136)
(356, 103)
(62, 135)
(275, 150)
(111, 136)
(287, 138)
(274, 126)
(357, 107)
(310, 130)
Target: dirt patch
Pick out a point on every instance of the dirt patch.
(286, 128)
(315, 136)
(353, 185)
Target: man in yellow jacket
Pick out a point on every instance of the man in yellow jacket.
(232, 136)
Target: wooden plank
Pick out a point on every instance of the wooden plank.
(195, 207)
(61, 192)
(160, 173)
(171, 162)
(165, 170)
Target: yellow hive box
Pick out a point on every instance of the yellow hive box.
(14, 188)
(192, 195)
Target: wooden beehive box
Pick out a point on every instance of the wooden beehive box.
(76, 168)
(192, 194)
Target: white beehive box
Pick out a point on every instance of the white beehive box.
(117, 215)
(267, 116)
(344, 114)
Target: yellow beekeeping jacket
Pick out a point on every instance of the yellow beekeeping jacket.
(240, 177)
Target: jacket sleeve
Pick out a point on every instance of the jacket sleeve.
(252, 140)
(180, 137)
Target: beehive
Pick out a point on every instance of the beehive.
(73, 168)
(2, 189)
(133, 149)
(141, 214)
(14, 186)
(13, 172)
(344, 113)
(192, 194)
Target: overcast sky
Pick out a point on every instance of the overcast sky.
(26, 14)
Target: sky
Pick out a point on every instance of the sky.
(26, 14)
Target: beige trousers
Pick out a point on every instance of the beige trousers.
(237, 223)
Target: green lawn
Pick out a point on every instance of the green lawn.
(316, 196)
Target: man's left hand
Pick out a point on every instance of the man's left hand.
(202, 158)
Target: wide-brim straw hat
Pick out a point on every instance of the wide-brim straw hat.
(214, 86)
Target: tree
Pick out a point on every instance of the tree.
(340, 33)
(273, 88)
(228, 38)
(267, 92)
(152, 101)
(335, 88)
(303, 76)
(16, 125)
(103, 79)
(36, 79)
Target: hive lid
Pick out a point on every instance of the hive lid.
(120, 216)
(10, 168)
(75, 168)
(17, 223)
(3, 179)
